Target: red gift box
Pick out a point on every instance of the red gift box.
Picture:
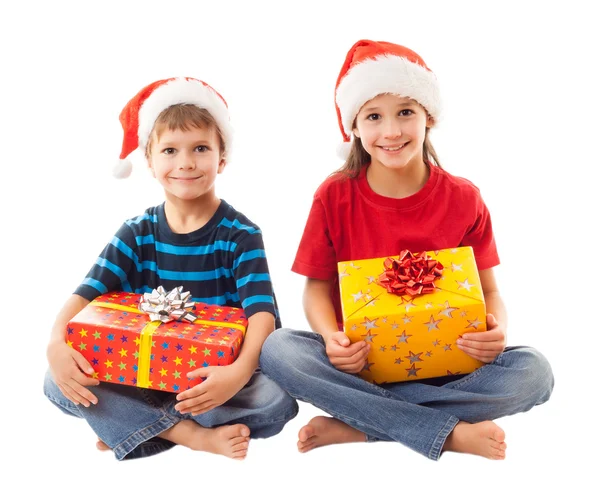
(125, 346)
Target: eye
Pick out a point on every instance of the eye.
(168, 151)
(406, 112)
(201, 148)
(373, 117)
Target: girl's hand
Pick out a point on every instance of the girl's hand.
(484, 346)
(67, 367)
(220, 384)
(345, 356)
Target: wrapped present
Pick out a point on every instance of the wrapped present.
(411, 309)
(154, 340)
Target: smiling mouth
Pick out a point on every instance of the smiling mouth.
(393, 148)
(186, 179)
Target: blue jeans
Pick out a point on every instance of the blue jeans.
(129, 419)
(418, 414)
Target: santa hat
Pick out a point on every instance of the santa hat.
(140, 113)
(372, 68)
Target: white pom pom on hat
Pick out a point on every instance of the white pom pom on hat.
(343, 150)
(139, 115)
(122, 169)
(372, 68)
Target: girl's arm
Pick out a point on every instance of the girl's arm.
(486, 346)
(318, 307)
(493, 301)
(320, 313)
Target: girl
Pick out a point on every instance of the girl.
(392, 194)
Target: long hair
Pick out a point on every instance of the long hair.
(358, 157)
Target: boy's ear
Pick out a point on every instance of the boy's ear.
(222, 164)
(150, 167)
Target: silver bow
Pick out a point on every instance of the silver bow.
(163, 306)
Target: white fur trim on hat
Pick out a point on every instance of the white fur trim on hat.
(182, 90)
(386, 74)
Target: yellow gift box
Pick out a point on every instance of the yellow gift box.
(413, 337)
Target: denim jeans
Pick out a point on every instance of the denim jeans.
(129, 419)
(418, 414)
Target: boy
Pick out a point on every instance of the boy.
(196, 240)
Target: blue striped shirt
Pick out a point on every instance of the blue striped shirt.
(222, 263)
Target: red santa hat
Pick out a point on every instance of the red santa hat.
(372, 68)
(140, 113)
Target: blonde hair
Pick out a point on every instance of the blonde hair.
(358, 157)
(183, 116)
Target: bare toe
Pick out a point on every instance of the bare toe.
(306, 433)
(102, 446)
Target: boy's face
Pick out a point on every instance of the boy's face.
(186, 163)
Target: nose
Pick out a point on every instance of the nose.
(392, 129)
(186, 161)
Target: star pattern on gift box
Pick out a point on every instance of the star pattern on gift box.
(370, 324)
(403, 338)
(412, 371)
(474, 323)
(414, 357)
(432, 324)
(447, 310)
(420, 330)
(407, 303)
(110, 340)
(465, 284)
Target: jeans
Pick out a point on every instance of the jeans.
(129, 419)
(418, 414)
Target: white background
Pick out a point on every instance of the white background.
(520, 88)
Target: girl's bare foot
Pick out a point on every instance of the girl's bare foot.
(101, 446)
(228, 440)
(323, 431)
(482, 439)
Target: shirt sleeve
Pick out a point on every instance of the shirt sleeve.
(252, 278)
(316, 257)
(112, 267)
(481, 237)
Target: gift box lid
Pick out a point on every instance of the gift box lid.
(359, 288)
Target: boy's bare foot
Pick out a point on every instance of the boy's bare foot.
(482, 439)
(323, 431)
(101, 446)
(229, 440)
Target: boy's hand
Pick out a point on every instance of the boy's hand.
(221, 383)
(345, 356)
(486, 345)
(67, 367)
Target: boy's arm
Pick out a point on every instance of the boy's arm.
(320, 313)
(72, 307)
(223, 382)
(260, 325)
(67, 365)
(486, 346)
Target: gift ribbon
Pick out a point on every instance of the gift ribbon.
(143, 373)
(163, 306)
(410, 274)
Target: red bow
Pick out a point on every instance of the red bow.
(410, 274)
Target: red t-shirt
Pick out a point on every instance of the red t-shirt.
(349, 221)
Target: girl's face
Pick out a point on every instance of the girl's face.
(186, 163)
(392, 130)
